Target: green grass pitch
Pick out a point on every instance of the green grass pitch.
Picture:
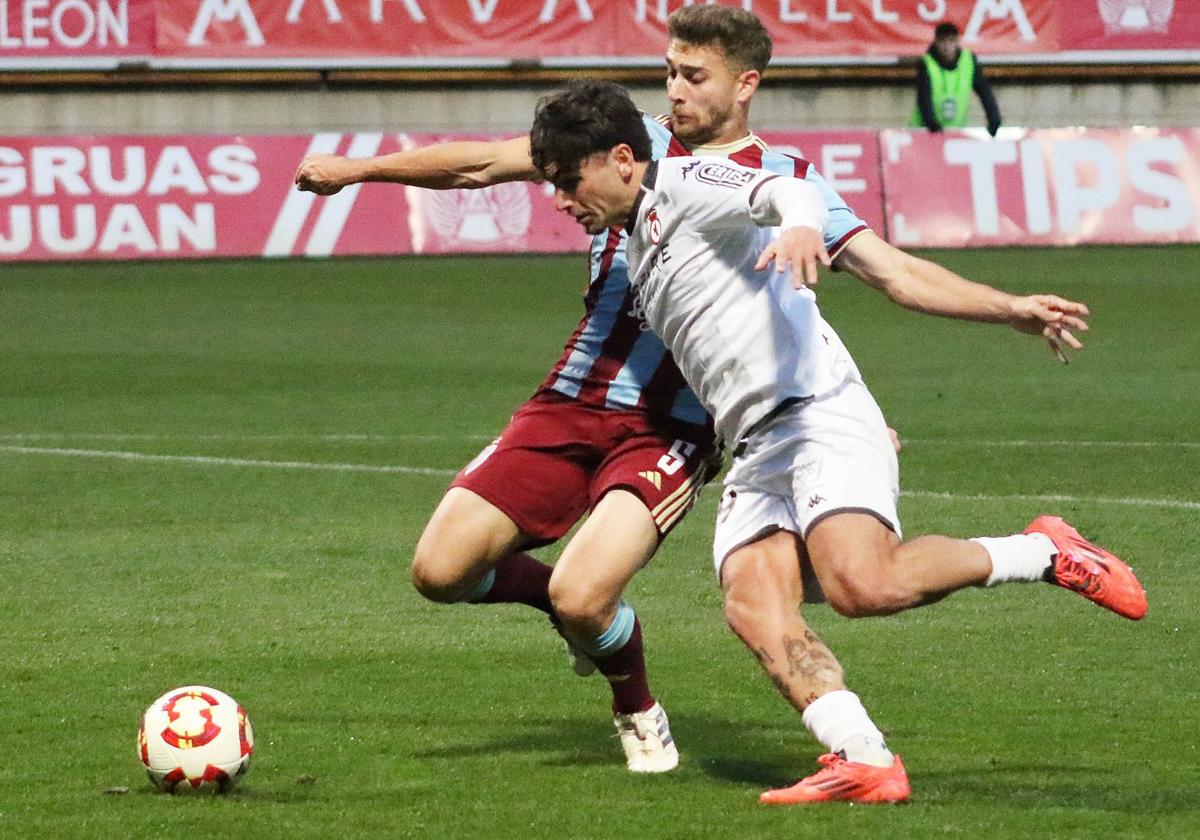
(1021, 712)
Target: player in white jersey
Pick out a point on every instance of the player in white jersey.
(742, 345)
(811, 460)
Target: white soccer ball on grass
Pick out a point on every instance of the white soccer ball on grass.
(195, 739)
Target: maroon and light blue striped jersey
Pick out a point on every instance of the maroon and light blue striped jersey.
(613, 360)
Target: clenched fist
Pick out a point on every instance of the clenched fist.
(325, 174)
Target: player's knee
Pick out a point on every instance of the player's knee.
(432, 576)
(580, 605)
(431, 585)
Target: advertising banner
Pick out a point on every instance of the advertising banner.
(64, 198)
(1042, 187)
(343, 33)
(1129, 25)
(41, 29)
(67, 198)
(574, 29)
(402, 29)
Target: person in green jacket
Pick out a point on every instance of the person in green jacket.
(946, 75)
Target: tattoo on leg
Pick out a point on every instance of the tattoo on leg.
(811, 662)
(782, 687)
(808, 671)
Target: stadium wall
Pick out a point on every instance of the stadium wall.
(308, 106)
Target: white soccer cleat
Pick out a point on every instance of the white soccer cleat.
(646, 739)
(581, 663)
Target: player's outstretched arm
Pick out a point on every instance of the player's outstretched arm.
(444, 166)
(924, 286)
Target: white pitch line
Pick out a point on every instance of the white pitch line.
(1174, 504)
(224, 462)
(1031, 444)
(341, 438)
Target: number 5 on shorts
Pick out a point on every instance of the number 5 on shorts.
(673, 461)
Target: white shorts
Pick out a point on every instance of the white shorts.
(828, 455)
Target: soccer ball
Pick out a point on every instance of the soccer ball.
(195, 738)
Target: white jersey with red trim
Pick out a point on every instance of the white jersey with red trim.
(745, 340)
(612, 360)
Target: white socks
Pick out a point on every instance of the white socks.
(1019, 557)
(839, 721)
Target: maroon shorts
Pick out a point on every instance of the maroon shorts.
(558, 457)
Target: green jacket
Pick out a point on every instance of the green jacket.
(944, 94)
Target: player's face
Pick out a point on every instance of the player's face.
(601, 193)
(709, 99)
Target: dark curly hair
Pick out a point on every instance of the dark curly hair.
(575, 123)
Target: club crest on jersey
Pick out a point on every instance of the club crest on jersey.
(720, 175)
(654, 225)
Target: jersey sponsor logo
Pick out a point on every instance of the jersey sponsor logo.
(638, 312)
(658, 259)
(654, 225)
(1135, 16)
(653, 476)
(720, 175)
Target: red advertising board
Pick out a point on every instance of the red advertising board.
(65, 198)
(471, 29)
(76, 28)
(1042, 187)
(1150, 25)
(330, 33)
(544, 29)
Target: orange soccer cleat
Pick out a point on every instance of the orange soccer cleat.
(1088, 569)
(840, 780)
